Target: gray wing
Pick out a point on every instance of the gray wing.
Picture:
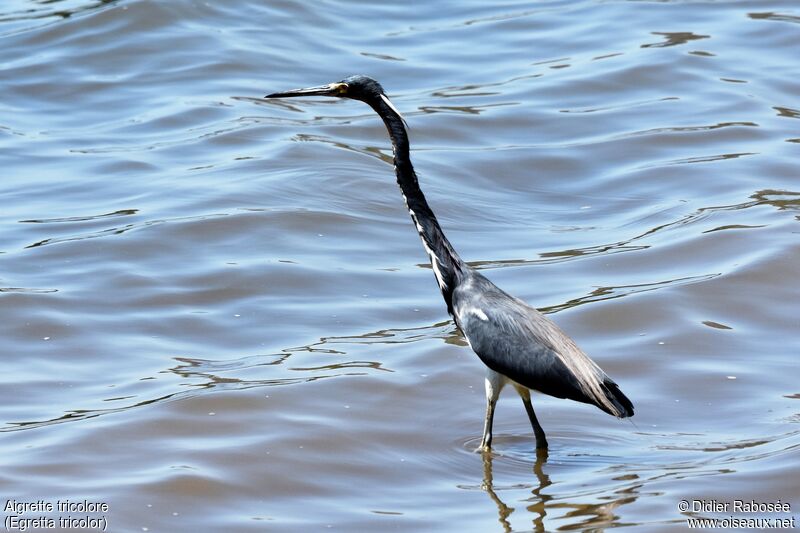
(516, 340)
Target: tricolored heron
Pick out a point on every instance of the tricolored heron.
(518, 344)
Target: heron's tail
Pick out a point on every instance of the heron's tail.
(622, 405)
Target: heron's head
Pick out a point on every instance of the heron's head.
(358, 87)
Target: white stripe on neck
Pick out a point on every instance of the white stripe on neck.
(391, 106)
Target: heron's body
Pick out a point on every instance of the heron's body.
(519, 345)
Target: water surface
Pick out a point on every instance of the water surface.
(216, 315)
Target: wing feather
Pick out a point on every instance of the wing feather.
(516, 340)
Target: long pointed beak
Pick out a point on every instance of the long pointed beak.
(331, 89)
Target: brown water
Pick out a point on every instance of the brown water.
(216, 315)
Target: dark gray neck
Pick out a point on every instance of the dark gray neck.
(447, 265)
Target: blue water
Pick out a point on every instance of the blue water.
(216, 315)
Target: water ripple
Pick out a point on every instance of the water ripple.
(275, 332)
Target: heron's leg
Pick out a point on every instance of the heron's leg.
(494, 384)
(541, 440)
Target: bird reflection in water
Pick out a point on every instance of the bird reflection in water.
(503, 510)
(540, 503)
